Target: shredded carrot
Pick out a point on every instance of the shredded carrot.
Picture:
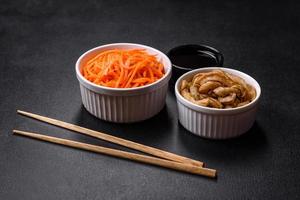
(122, 68)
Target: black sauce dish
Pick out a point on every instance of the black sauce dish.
(188, 57)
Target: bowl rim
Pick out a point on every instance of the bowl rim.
(96, 87)
(216, 110)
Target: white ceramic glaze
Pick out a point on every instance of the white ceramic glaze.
(212, 122)
(124, 105)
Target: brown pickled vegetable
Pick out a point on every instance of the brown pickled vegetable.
(217, 89)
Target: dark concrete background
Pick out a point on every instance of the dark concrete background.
(39, 44)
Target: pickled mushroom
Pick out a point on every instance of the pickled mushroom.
(217, 89)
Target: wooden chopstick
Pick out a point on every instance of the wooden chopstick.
(113, 139)
(123, 154)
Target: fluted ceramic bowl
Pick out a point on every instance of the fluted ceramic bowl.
(123, 105)
(212, 122)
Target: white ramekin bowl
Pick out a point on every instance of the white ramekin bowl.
(216, 123)
(124, 105)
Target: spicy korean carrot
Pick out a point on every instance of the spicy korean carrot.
(123, 68)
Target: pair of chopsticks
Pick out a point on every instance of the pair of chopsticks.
(163, 158)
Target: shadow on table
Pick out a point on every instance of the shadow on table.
(147, 132)
(252, 143)
(159, 131)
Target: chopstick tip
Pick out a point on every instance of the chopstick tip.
(18, 132)
(215, 174)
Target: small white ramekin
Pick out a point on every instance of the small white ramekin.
(124, 105)
(212, 122)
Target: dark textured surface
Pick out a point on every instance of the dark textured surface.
(39, 44)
